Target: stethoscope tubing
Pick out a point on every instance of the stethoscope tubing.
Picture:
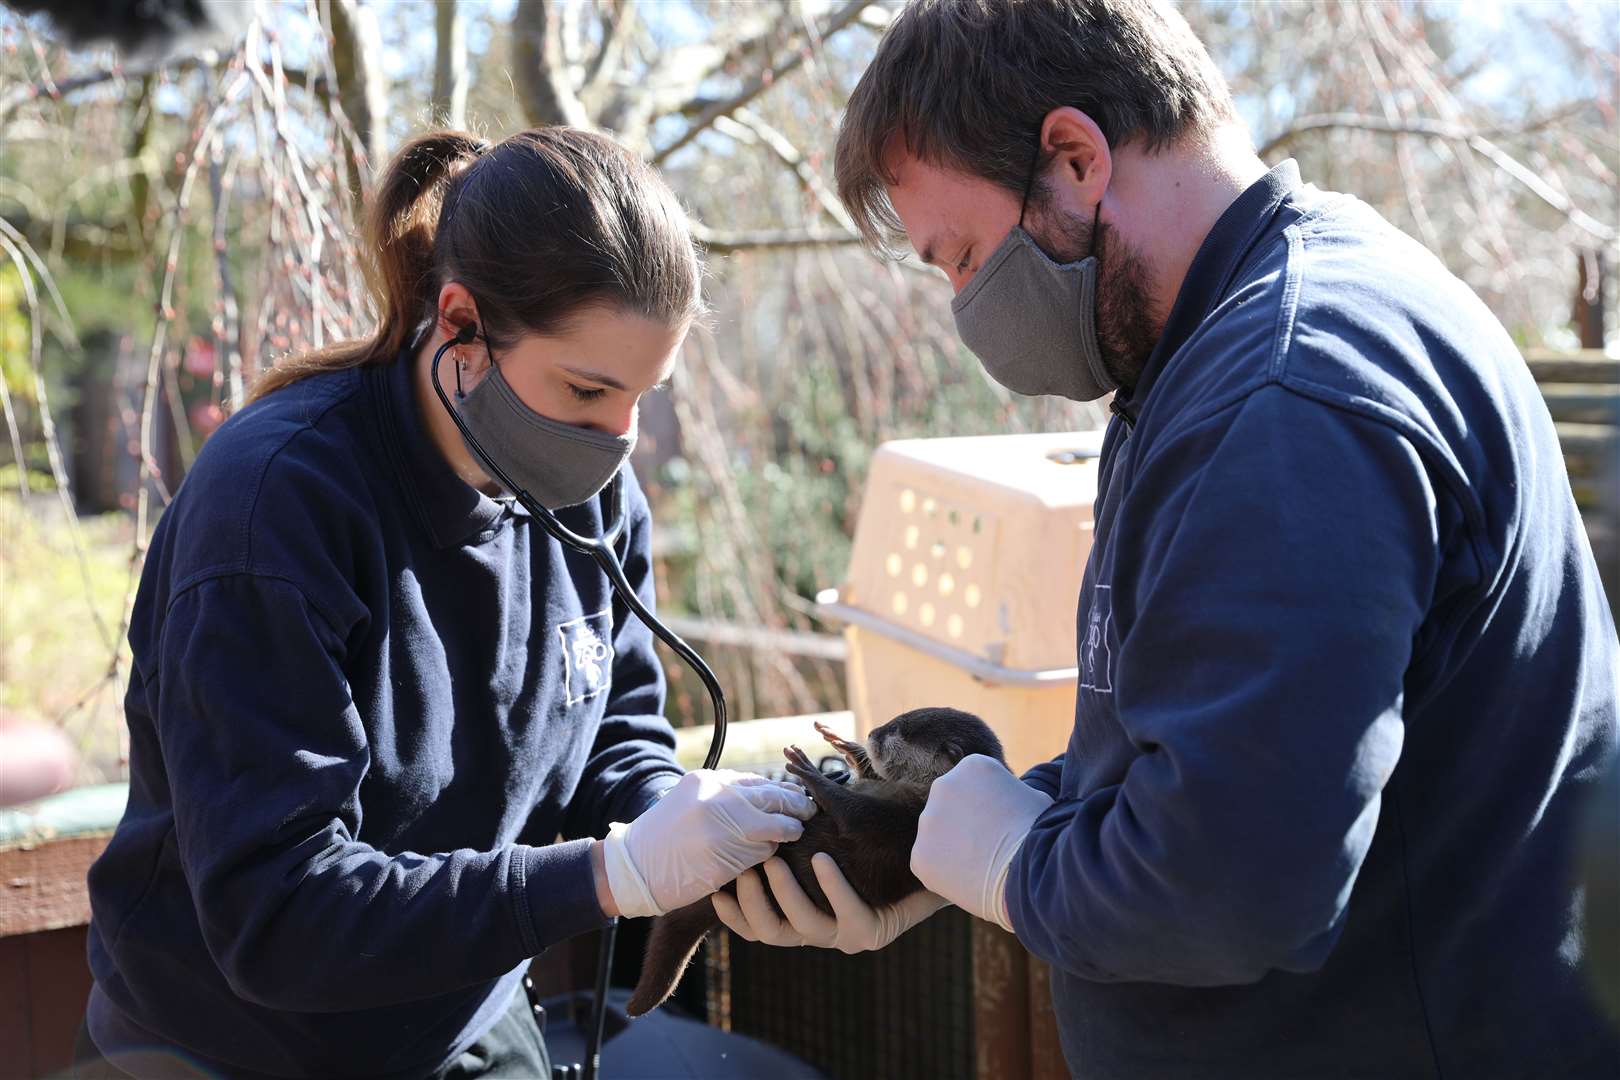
(600, 549)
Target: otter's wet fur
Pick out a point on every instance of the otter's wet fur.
(868, 825)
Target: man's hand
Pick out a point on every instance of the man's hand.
(855, 926)
(977, 816)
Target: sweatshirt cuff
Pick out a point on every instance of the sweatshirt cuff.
(1047, 777)
(651, 791)
(555, 893)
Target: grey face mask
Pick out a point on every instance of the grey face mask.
(1032, 322)
(559, 464)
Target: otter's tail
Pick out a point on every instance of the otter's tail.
(670, 946)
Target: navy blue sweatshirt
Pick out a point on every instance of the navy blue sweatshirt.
(366, 700)
(1346, 678)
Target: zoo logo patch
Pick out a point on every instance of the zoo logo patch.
(1096, 655)
(587, 655)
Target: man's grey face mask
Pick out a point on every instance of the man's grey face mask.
(1032, 322)
(559, 464)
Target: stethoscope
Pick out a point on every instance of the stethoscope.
(600, 549)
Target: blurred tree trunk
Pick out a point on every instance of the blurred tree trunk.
(450, 67)
(544, 84)
(140, 181)
(1590, 280)
(362, 88)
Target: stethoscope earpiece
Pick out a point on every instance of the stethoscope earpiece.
(464, 336)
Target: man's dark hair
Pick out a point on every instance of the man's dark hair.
(966, 83)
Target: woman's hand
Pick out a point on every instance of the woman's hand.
(855, 926)
(702, 833)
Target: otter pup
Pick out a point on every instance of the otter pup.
(867, 825)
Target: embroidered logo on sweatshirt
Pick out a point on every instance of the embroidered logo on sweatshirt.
(1096, 656)
(587, 655)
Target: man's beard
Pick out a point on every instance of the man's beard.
(1127, 328)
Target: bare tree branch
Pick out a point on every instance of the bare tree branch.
(616, 30)
(227, 308)
(835, 22)
(697, 106)
(877, 18)
(356, 49)
(1435, 129)
(671, 77)
(1355, 122)
(751, 38)
(21, 95)
(755, 126)
(571, 44)
(724, 243)
(87, 241)
(60, 90)
(22, 256)
(5, 387)
(271, 88)
(24, 196)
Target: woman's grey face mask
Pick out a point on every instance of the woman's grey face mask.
(558, 464)
(1032, 322)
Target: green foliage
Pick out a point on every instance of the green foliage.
(107, 296)
(14, 337)
(53, 666)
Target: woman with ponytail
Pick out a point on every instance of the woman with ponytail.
(388, 740)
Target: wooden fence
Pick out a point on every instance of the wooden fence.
(1582, 391)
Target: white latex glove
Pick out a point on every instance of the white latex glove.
(976, 818)
(855, 926)
(704, 831)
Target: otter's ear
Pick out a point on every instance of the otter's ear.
(953, 750)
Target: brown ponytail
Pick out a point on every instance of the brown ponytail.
(547, 223)
(399, 228)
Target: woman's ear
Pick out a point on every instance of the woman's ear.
(457, 311)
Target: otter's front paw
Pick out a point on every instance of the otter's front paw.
(804, 770)
(853, 753)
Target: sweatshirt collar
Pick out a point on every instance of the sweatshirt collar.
(1219, 258)
(452, 510)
